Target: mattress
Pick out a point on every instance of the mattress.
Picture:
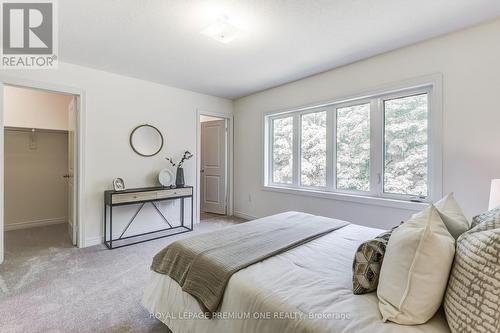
(306, 289)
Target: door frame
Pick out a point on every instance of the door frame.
(79, 145)
(229, 160)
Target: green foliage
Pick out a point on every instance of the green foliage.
(313, 149)
(353, 148)
(405, 147)
(283, 150)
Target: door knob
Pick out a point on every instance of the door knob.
(202, 170)
(67, 176)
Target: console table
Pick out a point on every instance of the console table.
(143, 196)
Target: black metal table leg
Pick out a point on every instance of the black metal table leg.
(111, 227)
(105, 219)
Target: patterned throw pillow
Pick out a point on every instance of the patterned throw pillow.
(472, 300)
(367, 263)
(485, 217)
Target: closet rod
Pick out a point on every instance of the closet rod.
(30, 130)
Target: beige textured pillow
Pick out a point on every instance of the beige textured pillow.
(452, 215)
(472, 301)
(415, 269)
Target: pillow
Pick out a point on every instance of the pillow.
(415, 269)
(472, 300)
(367, 262)
(486, 217)
(452, 215)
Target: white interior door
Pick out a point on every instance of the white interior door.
(72, 227)
(213, 167)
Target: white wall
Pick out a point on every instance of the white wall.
(469, 63)
(115, 105)
(36, 193)
(33, 108)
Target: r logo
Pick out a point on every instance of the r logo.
(27, 28)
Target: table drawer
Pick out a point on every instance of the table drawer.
(174, 193)
(132, 197)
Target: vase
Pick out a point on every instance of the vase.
(179, 177)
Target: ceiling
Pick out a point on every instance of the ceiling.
(281, 40)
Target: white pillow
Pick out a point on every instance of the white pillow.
(415, 269)
(452, 215)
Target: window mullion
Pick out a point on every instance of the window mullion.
(376, 146)
(329, 149)
(296, 150)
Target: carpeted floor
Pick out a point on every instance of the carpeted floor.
(46, 285)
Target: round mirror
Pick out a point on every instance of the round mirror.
(146, 140)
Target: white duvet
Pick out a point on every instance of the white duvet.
(307, 289)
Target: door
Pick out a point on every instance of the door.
(213, 167)
(72, 227)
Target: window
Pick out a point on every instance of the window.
(313, 149)
(406, 145)
(377, 146)
(353, 147)
(283, 150)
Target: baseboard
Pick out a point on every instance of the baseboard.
(34, 223)
(91, 241)
(244, 216)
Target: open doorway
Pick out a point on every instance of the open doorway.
(213, 166)
(40, 169)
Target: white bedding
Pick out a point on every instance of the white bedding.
(314, 278)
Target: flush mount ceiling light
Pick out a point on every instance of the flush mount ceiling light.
(222, 31)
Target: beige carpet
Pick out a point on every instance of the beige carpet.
(46, 285)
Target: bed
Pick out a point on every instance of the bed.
(306, 289)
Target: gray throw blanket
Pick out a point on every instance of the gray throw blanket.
(203, 264)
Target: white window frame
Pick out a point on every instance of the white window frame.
(270, 139)
(432, 85)
(299, 151)
(381, 166)
(355, 102)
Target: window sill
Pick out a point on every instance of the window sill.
(361, 199)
